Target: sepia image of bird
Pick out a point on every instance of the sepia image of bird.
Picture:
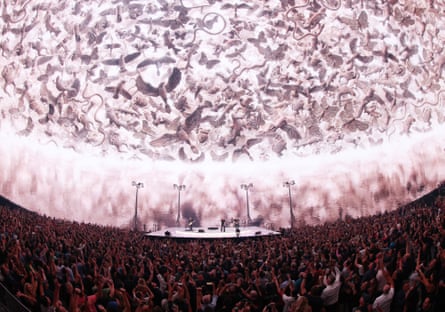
(162, 90)
(119, 90)
(290, 130)
(122, 61)
(179, 136)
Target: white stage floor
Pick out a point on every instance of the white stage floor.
(213, 232)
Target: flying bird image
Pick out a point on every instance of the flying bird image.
(162, 90)
(122, 60)
(119, 90)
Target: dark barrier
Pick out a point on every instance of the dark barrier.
(10, 302)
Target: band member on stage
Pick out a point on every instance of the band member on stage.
(191, 224)
(236, 223)
(223, 225)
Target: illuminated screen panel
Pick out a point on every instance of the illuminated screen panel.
(326, 107)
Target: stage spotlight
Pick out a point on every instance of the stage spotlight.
(258, 233)
(201, 230)
(167, 233)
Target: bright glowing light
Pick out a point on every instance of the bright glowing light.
(68, 185)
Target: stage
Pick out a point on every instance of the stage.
(212, 232)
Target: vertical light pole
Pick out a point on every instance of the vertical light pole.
(289, 184)
(179, 187)
(138, 185)
(246, 187)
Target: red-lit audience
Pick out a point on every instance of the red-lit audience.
(389, 262)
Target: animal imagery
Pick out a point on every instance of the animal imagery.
(294, 77)
(269, 84)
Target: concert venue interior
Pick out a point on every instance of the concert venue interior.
(330, 107)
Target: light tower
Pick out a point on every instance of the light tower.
(138, 185)
(289, 184)
(246, 187)
(179, 187)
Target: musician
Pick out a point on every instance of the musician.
(223, 225)
(236, 223)
(191, 224)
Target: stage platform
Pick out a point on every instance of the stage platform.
(212, 232)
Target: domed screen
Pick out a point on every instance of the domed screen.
(154, 112)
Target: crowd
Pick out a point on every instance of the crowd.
(393, 261)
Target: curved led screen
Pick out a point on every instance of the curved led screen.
(215, 94)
